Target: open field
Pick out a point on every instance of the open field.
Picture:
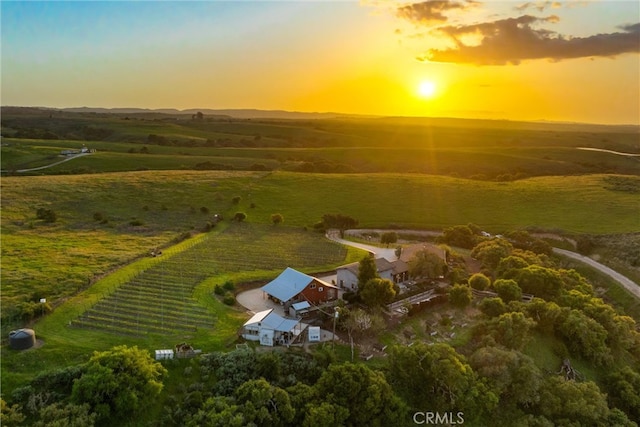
(477, 149)
(76, 248)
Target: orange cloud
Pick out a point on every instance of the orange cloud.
(432, 11)
(512, 40)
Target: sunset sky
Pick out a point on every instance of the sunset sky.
(573, 60)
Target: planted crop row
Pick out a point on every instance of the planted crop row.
(162, 295)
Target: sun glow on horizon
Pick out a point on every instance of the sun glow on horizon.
(427, 89)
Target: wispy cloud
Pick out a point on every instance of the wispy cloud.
(540, 6)
(512, 40)
(432, 11)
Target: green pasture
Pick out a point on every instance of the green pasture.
(144, 210)
(494, 161)
(77, 248)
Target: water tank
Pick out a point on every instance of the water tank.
(22, 339)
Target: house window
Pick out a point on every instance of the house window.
(313, 286)
(320, 289)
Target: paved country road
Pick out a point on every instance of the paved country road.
(628, 284)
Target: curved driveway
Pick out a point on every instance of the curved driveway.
(387, 253)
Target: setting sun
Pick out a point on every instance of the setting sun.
(427, 89)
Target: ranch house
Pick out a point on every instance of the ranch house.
(292, 286)
(397, 271)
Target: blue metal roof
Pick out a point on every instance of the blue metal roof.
(288, 284)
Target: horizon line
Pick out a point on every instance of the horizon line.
(362, 115)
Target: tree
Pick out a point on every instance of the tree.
(240, 216)
(437, 377)
(363, 392)
(118, 382)
(492, 307)
(479, 281)
(217, 411)
(623, 389)
(10, 415)
(584, 336)
(460, 295)
(389, 238)
(264, 404)
(510, 330)
(510, 374)
(367, 270)
(508, 290)
(460, 235)
(377, 292)
(490, 252)
(542, 282)
(426, 264)
(339, 221)
(572, 403)
(277, 218)
(66, 415)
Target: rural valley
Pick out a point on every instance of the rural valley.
(157, 225)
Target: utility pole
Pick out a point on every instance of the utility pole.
(333, 337)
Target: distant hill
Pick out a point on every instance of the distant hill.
(235, 113)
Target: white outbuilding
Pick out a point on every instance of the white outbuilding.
(271, 329)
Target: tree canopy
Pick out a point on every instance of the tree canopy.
(119, 382)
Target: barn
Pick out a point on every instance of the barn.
(292, 286)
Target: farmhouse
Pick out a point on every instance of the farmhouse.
(271, 329)
(292, 286)
(397, 271)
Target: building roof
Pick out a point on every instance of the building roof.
(381, 265)
(301, 305)
(270, 320)
(289, 284)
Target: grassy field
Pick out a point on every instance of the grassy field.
(77, 248)
(477, 149)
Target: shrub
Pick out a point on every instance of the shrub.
(240, 216)
(229, 299)
(236, 200)
(98, 216)
(204, 210)
(460, 296)
(218, 290)
(136, 223)
(47, 215)
(277, 218)
(479, 281)
(229, 285)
